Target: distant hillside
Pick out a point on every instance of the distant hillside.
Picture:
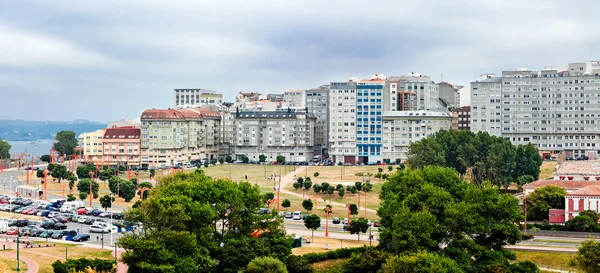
(22, 130)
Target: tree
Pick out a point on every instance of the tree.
(269, 196)
(421, 262)
(72, 179)
(221, 160)
(357, 226)
(379, 170)
(588, 257)
(106, 201)
(528, 161)
(307, 204)
(105, 175)
(390, 168)
(45, 158)
(58, 171)
(84, 171)
(83, 196)
(213, 162)
(316, 174)
(307, 183)
(358, 185)
(262, 158)
(341, 192)
(206, 164)
(71, 197)
(353, 209)
(147, 185)
(127, 190)
(4, 149)
(84, 186)
(424, 153)
(65, 142)
(316, 188)
(40, 174)
(152, 173)
(286, 203)
(587, 220)
(541, 200)
(245, 159)
(370, 261)
(328, 207)
(113, 184)
(266, 265)
(297, 185)
(312, 222)
(353, 189)
(280, 159)
(228, 159)
(137, 204)
(422, 207)
(178, 221)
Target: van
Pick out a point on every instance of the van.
(3, 226)
(297, 215)
(316, 158)
(67, 206)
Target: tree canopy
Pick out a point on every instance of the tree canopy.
(422, 208)
(59, 171)
(65, 142)
(198, 224)
(588, 257)
(542, 199)
(83, 186)
(4, 149)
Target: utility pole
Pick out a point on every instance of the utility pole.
(278, 192)
(18, 260)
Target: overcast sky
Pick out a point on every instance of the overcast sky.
(104, 60)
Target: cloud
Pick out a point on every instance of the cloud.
(27, 49)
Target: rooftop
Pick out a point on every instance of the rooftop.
(589, 190)
(127, 132)
(420, 113)
(576, 167)
(272, 114)
(188, 113)
(565, 184)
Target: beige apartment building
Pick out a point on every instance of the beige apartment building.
(171, 136)
(91, 142)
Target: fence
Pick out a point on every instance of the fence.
(570, 234)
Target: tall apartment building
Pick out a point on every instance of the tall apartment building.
(555, 110)
(370, 97)
(342, 121)
(460, 118)
(317, 103)
(171, 136)
(226, 128)
(401, 128)
(427, 92)
(289, 133)
(295, 98)
(92, 145)
(196, 97)
(121, 146)
(449, 96)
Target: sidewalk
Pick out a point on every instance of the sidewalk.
(32, 266)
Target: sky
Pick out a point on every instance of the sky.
(107, 60)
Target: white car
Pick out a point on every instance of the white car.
(52, 214)
(297, 215)
(98, 229)
(81, 219)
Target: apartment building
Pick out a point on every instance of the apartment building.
(342, 121)
(226, 128)
(370, 97)
(317, 103)
(121, 146)
(92, 145)
(124, 123)
(556, 110)
(171, 136)
(289, 133)
(460, 118)
(448, 95)
(427, 91)
(196, 97)
(401, 128)
(295, 98)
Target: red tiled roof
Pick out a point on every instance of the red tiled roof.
(122, 133)
(589, 190)
(566, 184)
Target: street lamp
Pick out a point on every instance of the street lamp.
(327, 211)
(45, 184)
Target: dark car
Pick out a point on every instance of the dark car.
(97, 212)
(336, 220)
(60, 234)
(118, 215)
(376, 223)
(62, 219)
(81, 238)
(22, 223)
(89, 221)
(91, 212)
(58, 226)
(45, 213)
(35, 232)
(48, 224)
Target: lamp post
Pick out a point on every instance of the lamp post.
(327, 210)
(45, 184)
(91, 174)
(111, 218)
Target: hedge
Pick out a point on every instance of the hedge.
(334, 254)
(77, 265)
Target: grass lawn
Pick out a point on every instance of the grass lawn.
(335, 174)
(318, 245)
(10, 265)
(46, 256)
(547, 169)
(10, 215)
(546, 259)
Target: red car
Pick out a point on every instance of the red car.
(12, 231)
(82, 211)
(3, 201)
(26, 211)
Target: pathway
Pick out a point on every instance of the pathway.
(32, 266)
(289, 178)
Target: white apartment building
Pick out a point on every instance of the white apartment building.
(92, 145)
(317, 103)
(295, 99)
(171, 136)
(401, 128)
(449, 96)
(427, 91)
(342, 121)
(556, 110)
(196, 97)
(289, 133)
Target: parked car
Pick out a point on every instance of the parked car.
(81, 219)
(336, 220)
(287, 215)
(89, 221)
(48, 224)
(81, 238)
(82, 211)
(58, 226)
(296, 215)
(12, 231)
(97, 212)
(35, 232)
(92, 211)
(22, 223)
(98, 229)
(118, 215)
(47, 233)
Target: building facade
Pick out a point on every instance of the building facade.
(401, 128)
(342, 121)
(449, 96)
(121, 146)
(196, 97)
(370, 97)
(171, 136)
(557, 111)
(317, 103)
(427, 91)
(289, 133)
(124, 123)
(92, 145)
(460, 118)
(295, 99)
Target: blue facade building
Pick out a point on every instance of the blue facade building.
(370, 98)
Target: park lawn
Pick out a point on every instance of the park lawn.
(46, 256)
(10, 265)
(238, 172)
(547, 169)
(546, 259)
(10, 215)
(319, 245)
(335, 174)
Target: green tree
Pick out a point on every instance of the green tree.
(268, 196)
(213, 162)
(65, 142)
(4, 149)
(353, 209)
(298, 264)
(221, 160)
(40, 174)
(72, 179)
(390, 168)
(587, 220)
(228, 159)
(358, 185)
(137, 204)
(297, 185)
(370, 261)
(144, 185)
(106, 201)
(528, 161)
(84, 186)
(328, 207)
(280, 159)
(307, 204)
(105, 175)
(379, 170)
(71, 197)
(316, 187)
(541, 200)
(307, 183)
(424, 153)
(84, 171)
(316, 174)
(286, 203)
(421, 262)
(206, 164)
(341, 192)
(524, 179)
(266, 265)
(262, 158)
(113, 184)
(245, 159)
(83, 196)
(357, 226)
(127, 190)
(312, 222)
(45, 158)
(588, 257)
(59, 171)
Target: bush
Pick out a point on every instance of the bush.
(334, 254)
(76, 265)
(298, 264)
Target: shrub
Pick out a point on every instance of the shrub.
(82, 264)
